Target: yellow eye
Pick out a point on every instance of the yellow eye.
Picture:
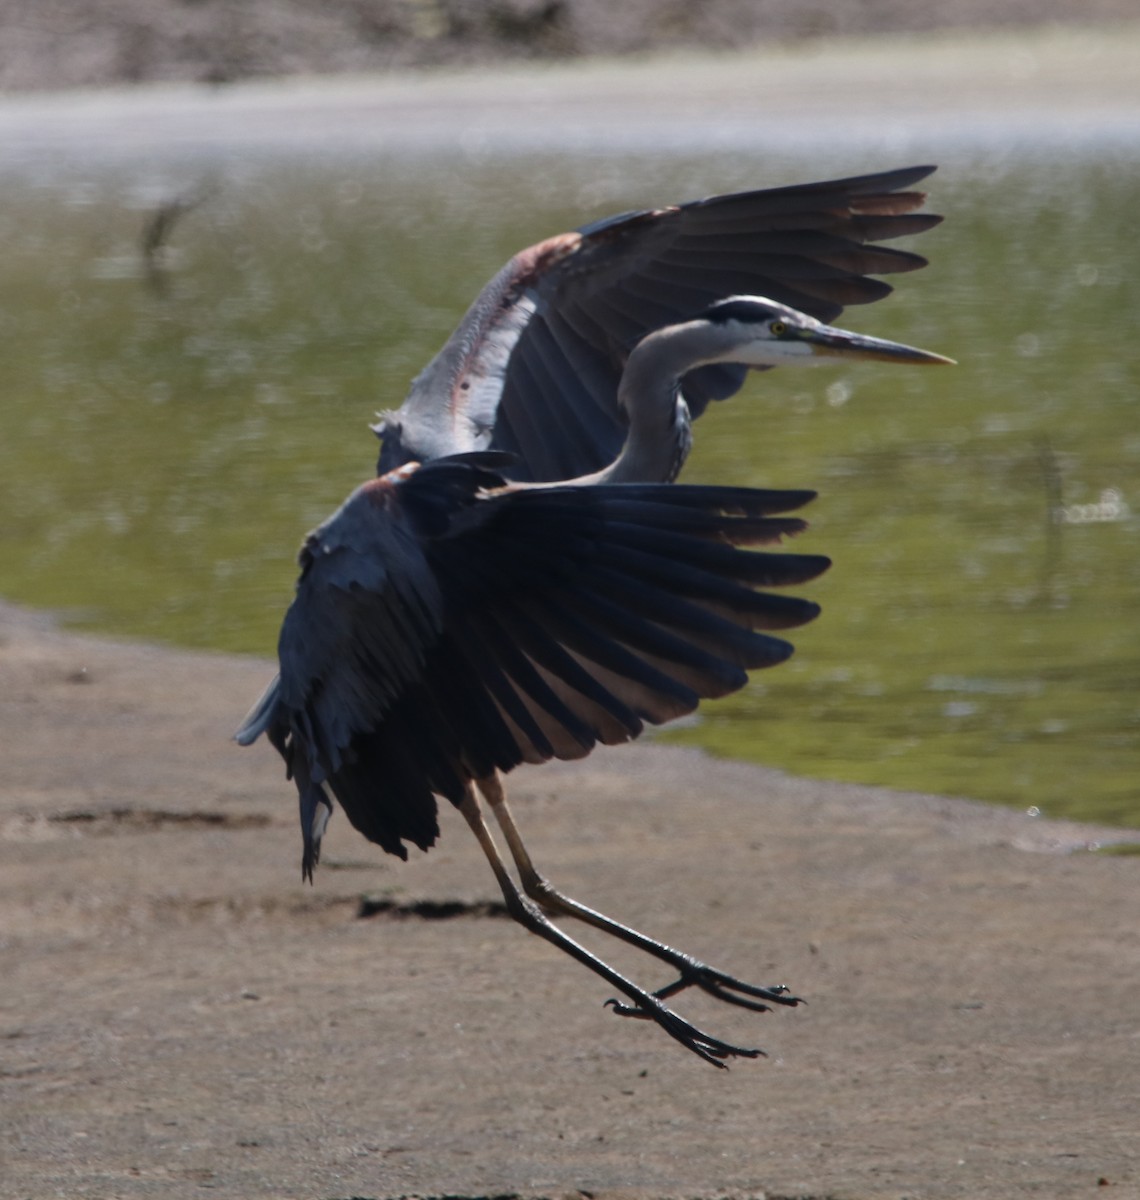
(778, 328)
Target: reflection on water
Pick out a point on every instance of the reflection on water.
(176, 416)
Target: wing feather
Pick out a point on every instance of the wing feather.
(445, 627)
(534, 366)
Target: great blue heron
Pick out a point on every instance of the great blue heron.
(448, 626)
(534, 366)
(740, 331)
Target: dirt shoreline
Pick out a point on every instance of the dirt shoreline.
(882, 100)
(55, 44)
(179, 1014)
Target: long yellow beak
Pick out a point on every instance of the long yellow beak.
(829, 342)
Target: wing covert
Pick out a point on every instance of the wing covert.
(534, 365)
(509, 626)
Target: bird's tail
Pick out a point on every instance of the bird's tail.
(260, 716)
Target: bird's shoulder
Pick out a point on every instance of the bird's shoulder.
(380, 534)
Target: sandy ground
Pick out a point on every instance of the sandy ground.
(180, 1015)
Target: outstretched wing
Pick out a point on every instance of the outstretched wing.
(533, 367)
(512, 626)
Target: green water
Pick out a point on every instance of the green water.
(165, 442)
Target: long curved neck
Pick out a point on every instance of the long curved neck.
(660, 428)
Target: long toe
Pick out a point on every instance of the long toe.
(758, 999)
(711, 1049)
(733, 990)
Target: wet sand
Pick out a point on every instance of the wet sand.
(180, 1014)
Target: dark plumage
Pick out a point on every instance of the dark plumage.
(477, 628)
(448, 626)
(533, 367)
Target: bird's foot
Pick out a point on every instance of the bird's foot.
(728, 988)
(715, 983)
(711, 1049)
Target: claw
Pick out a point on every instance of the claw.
(711, 1049)
(715, 983)
(725, 987)
(629, 1010)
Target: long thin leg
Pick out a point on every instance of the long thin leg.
(527, 913)
(693, 972)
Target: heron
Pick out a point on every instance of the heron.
(534, 366)
(450, 624)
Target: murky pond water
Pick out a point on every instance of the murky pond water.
(168, 436)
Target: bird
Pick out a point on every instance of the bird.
(743, 331)
(534, 366)
(450, 624)
(523, 580)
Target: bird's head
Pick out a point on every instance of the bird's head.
(758, 332)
